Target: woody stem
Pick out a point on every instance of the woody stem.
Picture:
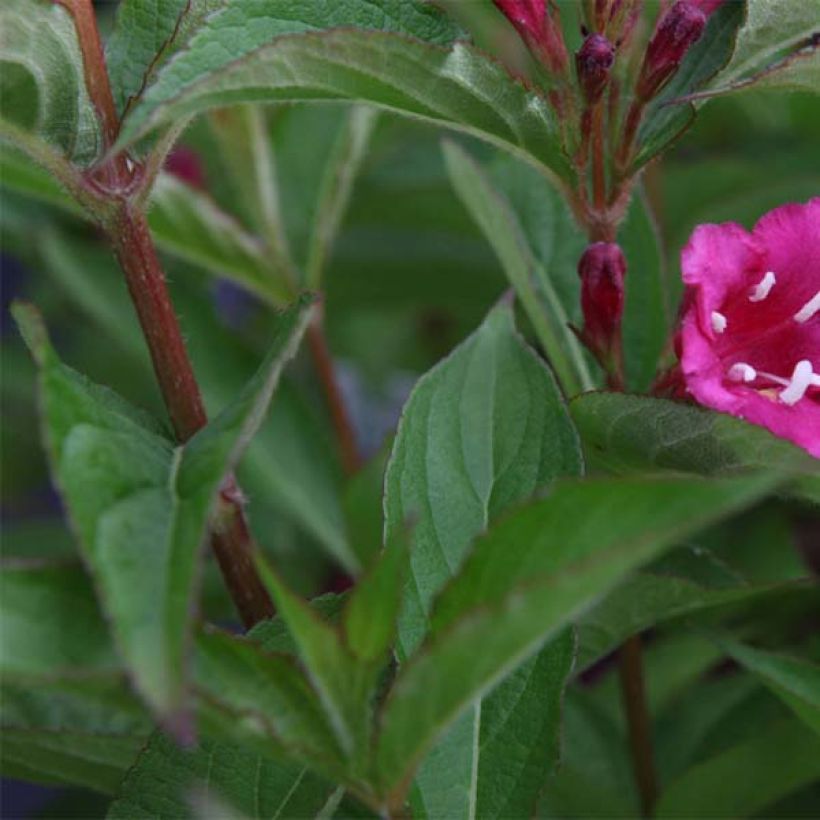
(127, 229)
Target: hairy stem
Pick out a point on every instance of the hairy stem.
(598, 158)
(345, 435)
(127, 229)
(633, 692)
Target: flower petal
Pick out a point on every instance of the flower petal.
(718, 262)
(790, 236)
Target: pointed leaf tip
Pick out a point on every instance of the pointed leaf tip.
(32, 328)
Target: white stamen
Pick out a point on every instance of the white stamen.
(772, 378)
(801, 380)
(761, 290)
(742, 372)
(809, 309)
(718, 322)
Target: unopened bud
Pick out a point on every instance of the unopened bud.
(602, 270)
(674, 35)
(539, 29)
(593, 62)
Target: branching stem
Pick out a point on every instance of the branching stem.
(127, 229)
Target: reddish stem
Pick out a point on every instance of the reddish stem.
(137, 256)
(127, 230)
(623, 156)
(96, 78)
(598, 158)
(351, 460)
(637, 713)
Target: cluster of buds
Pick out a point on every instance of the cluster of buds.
(537, 23)
(602, 269)
(677, 31)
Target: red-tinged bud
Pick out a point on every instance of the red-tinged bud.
(674, 35)
(526, 15)
(540, 30)
(602, 270)
(593, 63)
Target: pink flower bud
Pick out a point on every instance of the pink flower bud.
(602, 270)
(676, 32)
(540, 30)
(593, 63)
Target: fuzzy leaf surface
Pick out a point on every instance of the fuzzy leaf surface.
(483, 431)
(141, 30)
(42, 84)
(139, 506)
(628, 434)
(162, 783)
(531, 576)
(399, 55)
(774, 30)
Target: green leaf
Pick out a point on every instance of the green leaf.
(185, 223)
(252, 694)
(82, 732)
(341, 168)
(89, 761)
(784, 758)
(50, 624)
(140, 508)
(345, 685)
(646, 316)
(372, 611)
(649, 599)
(774, 30)
(500, 226)
(164, 778)
(68, 716)
(141, 31)
(665, 120)
(19, 172)
(629, 434)
(795, 681)
(595, 778)
(42, 85)
(531, 576)
(251, 169)
(481, 432)
(402, 58)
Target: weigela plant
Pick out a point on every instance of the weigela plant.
(569, 570)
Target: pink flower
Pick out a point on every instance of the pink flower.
(750, 334)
